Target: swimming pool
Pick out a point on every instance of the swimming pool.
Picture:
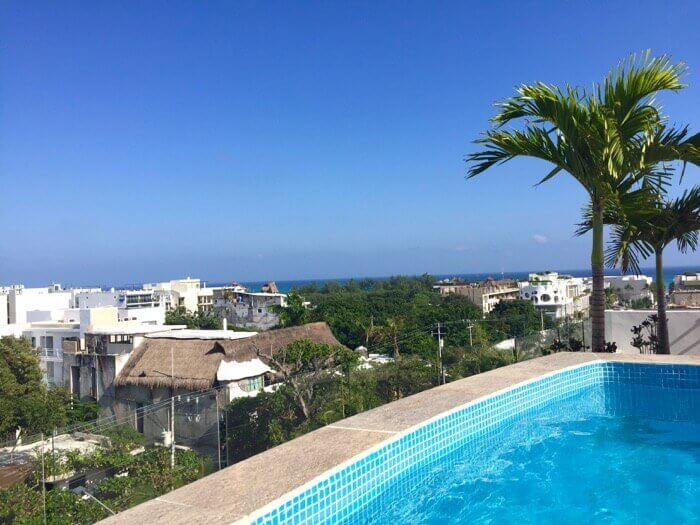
(605, 441)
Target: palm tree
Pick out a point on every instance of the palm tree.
(598, 137)
(640, 232)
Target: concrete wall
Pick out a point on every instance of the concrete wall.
(28, 299)
(683, 327)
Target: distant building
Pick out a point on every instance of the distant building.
(245, 309)
(270, 287)
(189, 293)
(631, 287)
(16, 301)
(91, 364)
(51, 331)
(485, 295)
(556, 295)
(686, 290)
(143, 306)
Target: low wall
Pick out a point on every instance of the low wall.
(683, 329)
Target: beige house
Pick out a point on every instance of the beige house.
(485, 295)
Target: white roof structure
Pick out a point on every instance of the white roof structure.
(200, 334)
(135, 329)
(235, 370)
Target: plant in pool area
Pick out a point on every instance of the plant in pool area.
(604, 139)
(572, 345)
(646, 335)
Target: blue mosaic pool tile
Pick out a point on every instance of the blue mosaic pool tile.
(348, 494)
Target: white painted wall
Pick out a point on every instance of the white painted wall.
(683, 328)
(4, 309)
(25, 300)
(152, 315)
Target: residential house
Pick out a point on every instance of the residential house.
(254, 310)
(204, 369)
(630, 287)
(485, 295)
(143, 306)
(558, 296)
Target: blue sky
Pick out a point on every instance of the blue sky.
(252, 140)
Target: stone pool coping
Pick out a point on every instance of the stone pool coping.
(240, 490)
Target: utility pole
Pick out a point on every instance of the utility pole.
(172, 409)
(218, 428)
(541, 320)
(441, 345)
(469, 327)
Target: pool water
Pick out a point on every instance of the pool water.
(603, 442)
(612, 453)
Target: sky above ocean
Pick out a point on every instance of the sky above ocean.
(295, 140)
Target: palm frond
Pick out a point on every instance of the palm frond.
(501, 146)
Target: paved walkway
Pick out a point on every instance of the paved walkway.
(235, 492)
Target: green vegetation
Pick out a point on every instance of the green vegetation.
(294, 313)
(611, 140)
(27, 405)
(129, 476)
(199, 319)
(400, 313)
(396, 317)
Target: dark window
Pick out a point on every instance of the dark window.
(75, 380)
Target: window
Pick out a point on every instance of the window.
(75, 380)
(252, 384)
(33, 342)
(545, 297)
(46, 341)
(121, 339)
(50, 371)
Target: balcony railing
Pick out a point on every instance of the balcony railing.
(50, 352)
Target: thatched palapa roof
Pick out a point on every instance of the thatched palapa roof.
(195, 361)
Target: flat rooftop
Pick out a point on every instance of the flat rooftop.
(200, 334)
(232, 494)
(127, 329)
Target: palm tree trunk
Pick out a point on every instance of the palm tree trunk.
(662, 331)
(598, 292)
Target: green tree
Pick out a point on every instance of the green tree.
(640, 233)
(516, 319)
(304, 365)
(27, 405)
(294, 313)
(198, 320)
(601, 138)
(391, 332)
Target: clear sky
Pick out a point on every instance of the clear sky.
(251, 140)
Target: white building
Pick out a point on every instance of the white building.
(189, 293)
(556, 295)
(142, 306)
(16, 301)
(49, 330)
(631, 287)
(485, 295)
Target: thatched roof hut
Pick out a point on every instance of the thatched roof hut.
(196, 361)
